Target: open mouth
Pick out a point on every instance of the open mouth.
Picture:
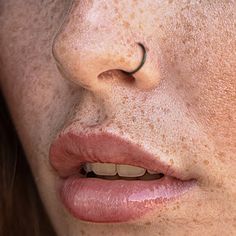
(106, 179)
(117, 171)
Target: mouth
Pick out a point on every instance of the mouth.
(107, 179)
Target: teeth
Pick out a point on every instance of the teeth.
(104, 169)
(130, 171)
(108, 169)
(88, 167)
(152, 172)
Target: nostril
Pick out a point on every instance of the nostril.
(118, 76)
(128, 78)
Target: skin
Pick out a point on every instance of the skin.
(181, 103)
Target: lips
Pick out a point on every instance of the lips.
(109, 201)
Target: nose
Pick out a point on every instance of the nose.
(98, 36)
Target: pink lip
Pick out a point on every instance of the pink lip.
(100, 200)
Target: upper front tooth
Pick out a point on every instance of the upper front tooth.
(104, 168)
(152, 172)
(130, 171)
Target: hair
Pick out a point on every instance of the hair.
(21, 211)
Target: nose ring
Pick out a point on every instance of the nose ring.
(142, 62)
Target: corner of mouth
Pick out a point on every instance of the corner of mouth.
(85, 182)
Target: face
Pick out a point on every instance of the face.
(61, 70)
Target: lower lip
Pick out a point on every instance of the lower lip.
(109, 201)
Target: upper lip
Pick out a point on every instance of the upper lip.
(72, 149)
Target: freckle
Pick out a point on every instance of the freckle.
(221, 156)
(82, 232)
(188, 105)
(34, 68)
(118, 17)
(206, 162)
(126, 24)
(46, 107)
(151, 126)
(148, 223)
(122, 60)
(140, 26)
(105, 117)
(171, 161)
(132, 15)
(141, 10)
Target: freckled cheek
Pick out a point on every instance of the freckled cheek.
(33, 97)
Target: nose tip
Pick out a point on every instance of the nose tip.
(82, 53)
(85, 66)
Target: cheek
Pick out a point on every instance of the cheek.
(203, 69)
(35, 93)
(213, 92)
